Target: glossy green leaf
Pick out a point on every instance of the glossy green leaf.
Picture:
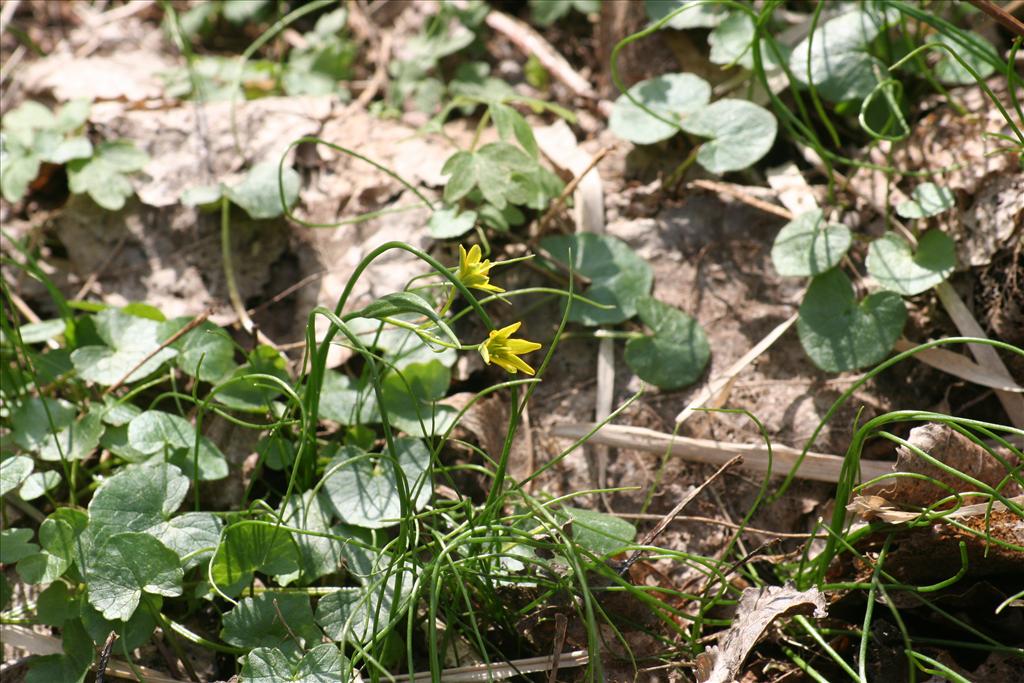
(158, 433)
(600, 533)
(741, 134)
(949, 69)
(446, 224)
(347, 401)
(365, 492)
(16, 544)
(13, 471)
(399, 303)
(127, 565)
(677, 352)
(894, 266)
(355, 615)
(207, 352)
(58, 539)
(133, 633)
(835, 58)
(671, 96)
(259, 194)
(323, 664)
(927, 199)
(807, 245)
(410, 398)
(697, 15)
(36, 333)
(104, 175)
(138, 498)
(56, 605)
(840, 333)
(130, 340)
(39, 483)
(192, 536)
(70, 667)
(618, 277)
(272, 619)
(318, 555)
(249, 547)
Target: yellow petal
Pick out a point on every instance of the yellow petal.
(504, 364)
(521, 346)
(518, 362)
(488, 287)
(474, 255)
(485, 354)
(506, 332)
(462, 256)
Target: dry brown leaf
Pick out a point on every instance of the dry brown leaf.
(952, 449)
(758, 608)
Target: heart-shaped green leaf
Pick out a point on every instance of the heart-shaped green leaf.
(39, 483)
(206, 353)
(835, 58)
(259, 193)
(130, 341)
(894, 266)
(950, 70)
(669, 95)
(618, 277)
(127, 565)
(251, 546)
(364, 489)
(411, 396)
(741, 133)
(137, 498)
(807, 245)
(16, 544)
(13, 471)
(156, 432)
(188, 534)
(696, 15)
(132, 633)
(272, 619)
(839, 333)
(927, 199)
(446, 224)
(355, 615)
(347, 401)
(323, 664)
(677, 352)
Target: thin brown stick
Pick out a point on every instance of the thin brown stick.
(571, 186)
(561, 623)
(653, 534)
(712, 520)
(98, 272)
(998, 14)
(532, 43)
(191, 325)
(101, 665)
(732, 191)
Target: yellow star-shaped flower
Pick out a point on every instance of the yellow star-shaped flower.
(473, 272)
(504, 352)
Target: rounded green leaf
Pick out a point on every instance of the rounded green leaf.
(57, 538)
(741, 133)
(259, 193)
(618, 276)
(39, 483)
(927, 199)
(839, 333)
(126, 566)
(130, 340)
(16, 544)
(355, 615)
(670, 95)
(137, 498)
(411, 396)
(365, 492)
(132, 633)
(188, 534)
(600, 533)
(206, 353)
(13, 471)
(156, 432)
(696, 15)
(347, 401)
(323, 664)
(446, 224)
(807, 245)
(251, 546)
(835, 58)
(35, 333)
(676, 354)
(272, 619)
(892, 263)
(950, 70)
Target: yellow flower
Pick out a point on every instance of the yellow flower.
(473, 272)
(505, 352)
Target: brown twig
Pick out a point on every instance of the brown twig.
(98, 272)
(998, 14)
(101, 665)
(732, 191)
(191, 325)
(561, 623)
(571, 186)
(653, 534)
(532, 43)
